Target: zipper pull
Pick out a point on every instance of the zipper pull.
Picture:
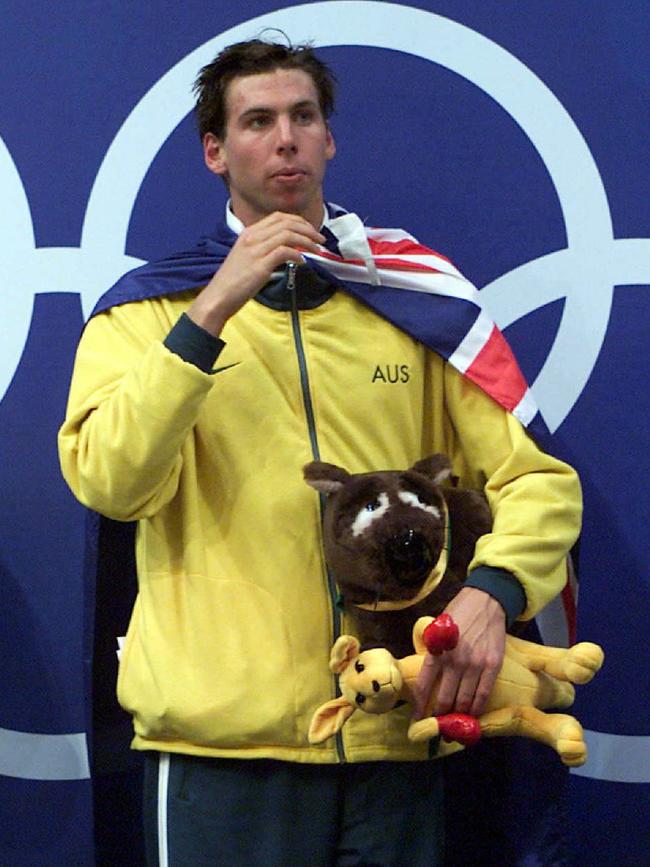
(291, 276)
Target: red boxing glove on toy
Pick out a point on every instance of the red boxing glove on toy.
(440, 635)
(459, 727)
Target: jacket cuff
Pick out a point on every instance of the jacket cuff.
(503, 586)
(194, 344)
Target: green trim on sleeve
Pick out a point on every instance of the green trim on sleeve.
(194, 344)
(501, 585)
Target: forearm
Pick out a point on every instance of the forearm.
(536, 505)
(534, 498)
(131, 409)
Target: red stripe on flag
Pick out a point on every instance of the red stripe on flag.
(387, 264)
(401, 265)
(570, 612)
(404, 247)
(495, 370)
(325, 254)
(570, 601)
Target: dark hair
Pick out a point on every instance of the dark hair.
(252, 58)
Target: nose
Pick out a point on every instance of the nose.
(408, 555)
(286, 136)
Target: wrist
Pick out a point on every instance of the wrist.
(502, 586)
(212, 316)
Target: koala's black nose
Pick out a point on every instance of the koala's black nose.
(408, 555)
(375, 686)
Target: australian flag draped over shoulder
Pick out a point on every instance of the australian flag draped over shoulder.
(411, 286)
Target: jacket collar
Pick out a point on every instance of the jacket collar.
(312, 289)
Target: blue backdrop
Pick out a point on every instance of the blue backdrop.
(510, 136)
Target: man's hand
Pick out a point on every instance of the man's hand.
(468, 672)
(260, 249)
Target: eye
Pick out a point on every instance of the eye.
(305, 116)
(259, 121)
(371, 507)
(360, 699)
(424, 497)
(359, 666)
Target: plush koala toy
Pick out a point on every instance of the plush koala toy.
(397, 543)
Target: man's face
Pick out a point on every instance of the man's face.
(276, 146)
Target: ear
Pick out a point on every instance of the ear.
(325, 478)
(436, 467)
(329, 719)
(346, 648)
(418, 629)
(214, 154)
(330, 145)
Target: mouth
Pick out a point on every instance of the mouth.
(289, 174)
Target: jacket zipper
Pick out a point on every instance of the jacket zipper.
(313, 439)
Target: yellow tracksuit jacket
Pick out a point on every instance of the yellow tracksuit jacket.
(228, 645)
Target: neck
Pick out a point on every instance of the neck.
(248, 215)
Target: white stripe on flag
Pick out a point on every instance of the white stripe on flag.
(526, 409)
(424, 259)
(396, 235)
(353, 242)
(473, 342)
(428, 283)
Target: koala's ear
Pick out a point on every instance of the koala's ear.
(346, 648)
(435, 467)
(325, 478)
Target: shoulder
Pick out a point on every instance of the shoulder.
(183, 271)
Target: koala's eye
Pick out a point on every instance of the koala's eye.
(359, 666)
(373, 505)
(424, 497)
(360, 699)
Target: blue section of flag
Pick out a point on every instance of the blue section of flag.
(437, 321)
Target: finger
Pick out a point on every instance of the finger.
(285, 238)
(279, 256)
(423, 686)
(296, 220)
(276, 223)
(466, 692)
(447, 690)
(482, 692)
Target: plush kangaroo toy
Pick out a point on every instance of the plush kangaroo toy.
(532, 678)
(397, 543)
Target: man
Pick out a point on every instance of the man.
(226, 655)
